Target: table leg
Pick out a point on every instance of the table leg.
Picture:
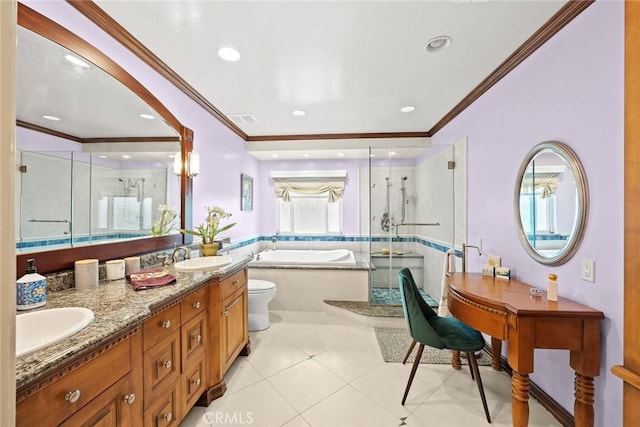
(520, 399)
(496, 352)
(583, 406)
(455, 359)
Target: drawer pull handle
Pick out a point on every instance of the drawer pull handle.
(166, 364)
(197, 381)
(197, 337)
(167, 417)
(72, 396)
(130, 398)
(226, 313)
(196, 304)
(235, 282)
(166, 324)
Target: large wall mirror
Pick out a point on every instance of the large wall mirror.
(551, 202)
(95, 154)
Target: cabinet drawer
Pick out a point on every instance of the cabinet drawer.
(84, 383)
(193, 304)
(164, 412)
(161, 367)
(160, 326)
(193, 382)
(233, 283)
(194, 337)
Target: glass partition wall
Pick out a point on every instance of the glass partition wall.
(411, 221)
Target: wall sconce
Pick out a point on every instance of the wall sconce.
(193, 164)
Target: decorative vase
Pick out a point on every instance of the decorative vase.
(209, 249)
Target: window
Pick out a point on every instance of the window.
(538, 212)
(309, 202)
(309, 214)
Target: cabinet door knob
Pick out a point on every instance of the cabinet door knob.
(197, 338)
(197, 381)
(166, 324)
(226, 312)
(166, 364)
(196, 304)
(72, 396)
(167, 417)
(130, 398)
(235, 282)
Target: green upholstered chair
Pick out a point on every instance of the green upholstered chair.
(427, 328)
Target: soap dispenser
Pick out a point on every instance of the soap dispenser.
(32, 289)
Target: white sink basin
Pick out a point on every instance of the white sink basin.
(39, 329)
(203, 263)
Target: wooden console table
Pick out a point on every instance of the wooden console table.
(504, 310)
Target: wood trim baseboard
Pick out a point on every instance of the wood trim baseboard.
(99, 17)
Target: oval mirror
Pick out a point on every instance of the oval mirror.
(551, 202)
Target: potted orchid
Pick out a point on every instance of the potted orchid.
(165, 224)
(211, 227)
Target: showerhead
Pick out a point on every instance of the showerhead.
(404, 178)
(121, 180)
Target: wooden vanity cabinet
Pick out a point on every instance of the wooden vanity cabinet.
(228, 327)
(101, 388)
(174, 350)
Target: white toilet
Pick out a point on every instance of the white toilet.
(260, 293)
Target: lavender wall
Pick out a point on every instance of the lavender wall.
(570, 90)
(222, 154)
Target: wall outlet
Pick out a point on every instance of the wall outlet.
(588, 270)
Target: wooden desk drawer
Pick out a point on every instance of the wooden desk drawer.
(490, 321)
(84, 383)
(161, 367)
(161, 326)
(233, 283)
(193, 304)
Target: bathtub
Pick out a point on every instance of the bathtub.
(306, 257)
(305, 278)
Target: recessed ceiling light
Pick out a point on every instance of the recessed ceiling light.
(147, 116)
(305, 155)
(76, 61)
(228, 54)
(274, 155)
(372, 155)
(126, 156)
(298, 113)
(102, 156)
(340, 154)
(52, 118)
(408, 108)
(437, 44)
(392, 153)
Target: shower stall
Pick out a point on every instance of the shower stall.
(416, 212)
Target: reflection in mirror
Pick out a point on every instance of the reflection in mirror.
(75, 188)
(551, 202)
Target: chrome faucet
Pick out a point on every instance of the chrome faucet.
(273, 242)
(176, 251)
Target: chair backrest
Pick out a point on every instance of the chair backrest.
(417, 312)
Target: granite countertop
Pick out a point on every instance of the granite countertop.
(116, 307)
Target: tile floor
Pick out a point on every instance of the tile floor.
(317, 369)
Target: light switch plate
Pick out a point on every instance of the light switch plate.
(588, 270)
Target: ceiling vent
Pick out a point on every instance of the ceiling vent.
(242, 119)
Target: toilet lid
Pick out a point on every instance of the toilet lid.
(256, 285)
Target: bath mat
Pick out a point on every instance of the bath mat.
(394, 344)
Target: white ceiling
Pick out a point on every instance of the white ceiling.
(351, 65)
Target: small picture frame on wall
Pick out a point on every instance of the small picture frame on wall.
(246, 192)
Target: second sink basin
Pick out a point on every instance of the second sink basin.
(39, 329)
(202, 263)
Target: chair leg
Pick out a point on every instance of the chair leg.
(413, 372)
(413, 344)
(474, 366)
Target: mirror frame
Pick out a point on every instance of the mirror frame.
(582, 208)
(63, 259)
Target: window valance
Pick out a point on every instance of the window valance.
(547, 181)
(334, 186)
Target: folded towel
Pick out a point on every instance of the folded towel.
(150, 278)
(448, 268)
